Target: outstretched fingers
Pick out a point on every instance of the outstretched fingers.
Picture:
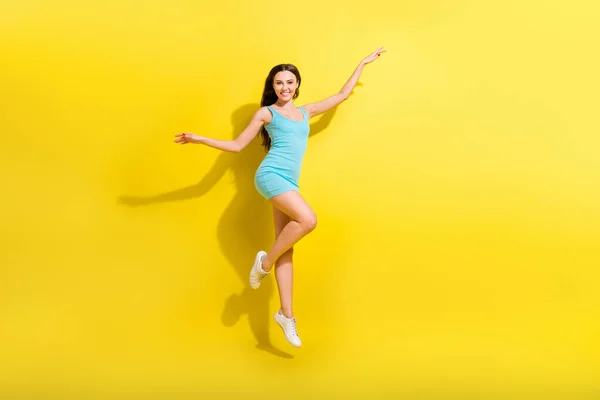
(181, 138)
(380, 50)
(371, 57)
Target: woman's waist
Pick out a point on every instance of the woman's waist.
(277, 157)
(290, 170)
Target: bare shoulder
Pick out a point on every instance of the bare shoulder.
(309, 108)
(263, 115)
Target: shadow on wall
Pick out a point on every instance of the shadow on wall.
(245, 227)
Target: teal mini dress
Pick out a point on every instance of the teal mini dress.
(279, 171)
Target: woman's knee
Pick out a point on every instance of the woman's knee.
(294, 205)
(309, 221)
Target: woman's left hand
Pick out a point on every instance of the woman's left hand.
(187, 137)
(373, 56)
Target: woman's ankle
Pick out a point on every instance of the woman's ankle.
(265, 265)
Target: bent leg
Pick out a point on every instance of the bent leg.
(302, 221)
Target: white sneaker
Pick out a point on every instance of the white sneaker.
(289, 328)
(257, 273)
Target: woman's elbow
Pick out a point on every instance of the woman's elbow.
(236, 146)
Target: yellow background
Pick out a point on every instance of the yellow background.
(457, 192)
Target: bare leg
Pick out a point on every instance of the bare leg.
(284, 267)
(302, 221)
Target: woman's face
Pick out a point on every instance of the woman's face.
(285, 85)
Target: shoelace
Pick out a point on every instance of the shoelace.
(260, 275)
(294, 331)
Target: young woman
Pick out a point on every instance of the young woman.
(284, 130)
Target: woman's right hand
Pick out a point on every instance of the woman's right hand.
(185, 138)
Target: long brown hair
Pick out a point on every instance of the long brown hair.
(269, 96)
